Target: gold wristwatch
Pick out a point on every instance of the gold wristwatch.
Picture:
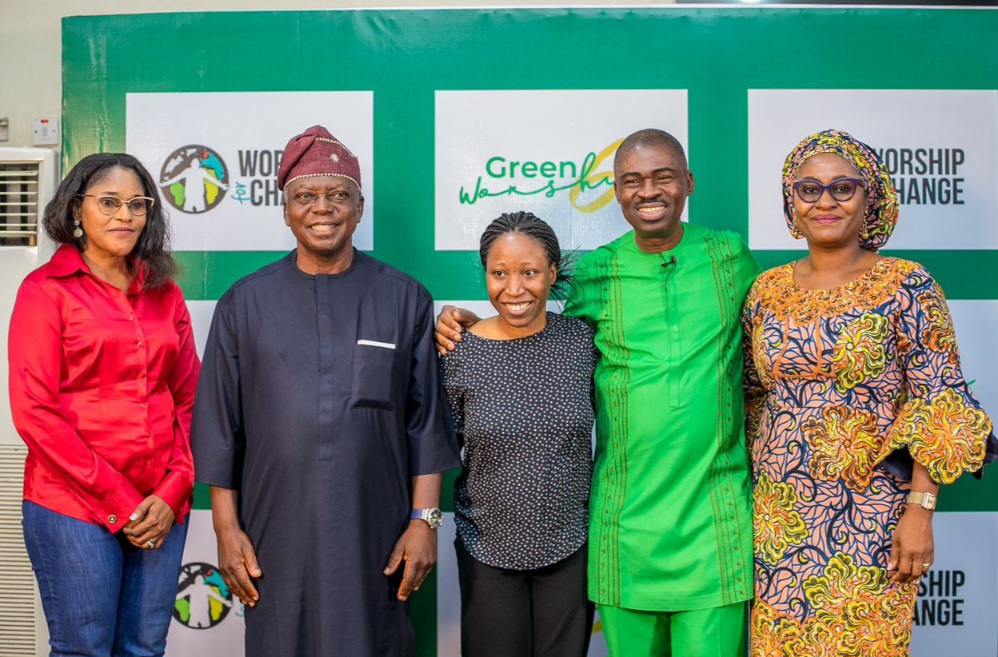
(925, 500)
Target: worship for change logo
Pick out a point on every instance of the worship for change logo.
(194, 179)
(203, 598)
(547, 152)
(954, 613)
(940, 147)
(216, 156)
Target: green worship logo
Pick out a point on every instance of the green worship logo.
(505, 176)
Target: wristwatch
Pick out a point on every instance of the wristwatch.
(431, 517)
(925, 500)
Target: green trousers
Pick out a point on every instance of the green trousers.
(713, 632)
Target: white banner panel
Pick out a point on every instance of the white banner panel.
(216, 155)
(955, 612)
(941, 148)
(207, 618)
(548, 152)
(448, 592)
(976, 323)
(201, 314)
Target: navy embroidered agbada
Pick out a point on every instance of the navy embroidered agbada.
(319, 400)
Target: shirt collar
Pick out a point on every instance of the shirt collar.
(67, 260)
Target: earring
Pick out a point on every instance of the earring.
(77, 232)
(795, 231)
(864, 233)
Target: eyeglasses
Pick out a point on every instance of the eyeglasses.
(841, 190)
(307, 199)
(109, 205)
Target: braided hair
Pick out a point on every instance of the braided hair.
(530, 225)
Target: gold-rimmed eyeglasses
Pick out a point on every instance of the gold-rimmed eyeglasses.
(109, 205)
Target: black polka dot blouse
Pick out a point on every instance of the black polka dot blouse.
(523, 409)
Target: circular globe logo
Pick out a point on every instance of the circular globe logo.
(203, 599)
(194, 179)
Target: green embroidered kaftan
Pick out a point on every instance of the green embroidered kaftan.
(670, 518)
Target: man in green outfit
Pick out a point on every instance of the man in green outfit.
(670, 533)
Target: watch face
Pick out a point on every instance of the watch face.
(432, 517)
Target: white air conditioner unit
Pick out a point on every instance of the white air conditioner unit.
(28, 180)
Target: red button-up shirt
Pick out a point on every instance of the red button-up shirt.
(101, 389)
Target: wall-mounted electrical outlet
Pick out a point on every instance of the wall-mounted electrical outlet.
(46, 132)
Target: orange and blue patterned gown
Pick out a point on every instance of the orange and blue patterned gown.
(837, 380)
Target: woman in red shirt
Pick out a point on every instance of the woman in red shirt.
(102, 376)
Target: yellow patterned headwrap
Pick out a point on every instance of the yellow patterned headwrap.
(881, 198)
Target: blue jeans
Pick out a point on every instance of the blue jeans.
(102, 596)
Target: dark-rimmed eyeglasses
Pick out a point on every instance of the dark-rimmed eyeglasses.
(309, 198)
(109, 205)
(841, 189)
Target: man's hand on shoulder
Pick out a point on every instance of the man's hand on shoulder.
(449, 323)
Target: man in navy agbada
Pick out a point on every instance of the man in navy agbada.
(319, 426)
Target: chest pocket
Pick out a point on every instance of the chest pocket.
(373, 374)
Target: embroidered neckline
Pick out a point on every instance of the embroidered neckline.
(780, 294)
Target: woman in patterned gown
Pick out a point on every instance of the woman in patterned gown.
(858, 411)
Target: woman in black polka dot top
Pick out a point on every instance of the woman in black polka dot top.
(520, 391)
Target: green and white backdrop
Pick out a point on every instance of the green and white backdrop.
(459, 115)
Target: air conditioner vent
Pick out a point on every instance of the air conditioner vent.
(17, 604)
(19, 204)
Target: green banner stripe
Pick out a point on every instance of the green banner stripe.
(456, 275)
